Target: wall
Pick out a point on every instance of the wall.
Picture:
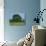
(29, 7)
(1, 21)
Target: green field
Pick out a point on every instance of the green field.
(17, 23)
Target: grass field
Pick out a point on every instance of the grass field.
(17, 23)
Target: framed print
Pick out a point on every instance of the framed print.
(17, 19)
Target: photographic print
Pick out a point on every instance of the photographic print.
(17, 19)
